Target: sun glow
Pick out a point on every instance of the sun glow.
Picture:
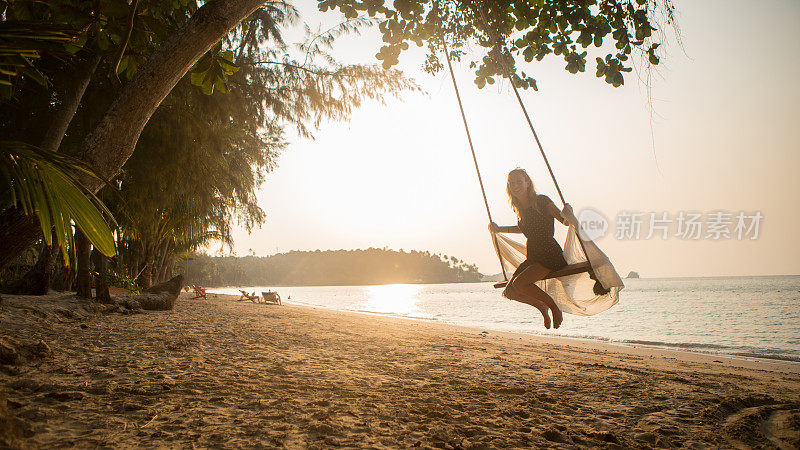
(392, 299)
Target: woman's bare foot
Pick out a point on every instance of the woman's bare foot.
(557, 317)
(546, 319)
(512, 294)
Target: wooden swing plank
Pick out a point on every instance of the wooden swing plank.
(571, 269)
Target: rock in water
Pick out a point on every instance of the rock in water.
(633, 274)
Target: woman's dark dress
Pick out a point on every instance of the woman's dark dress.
(538, 228)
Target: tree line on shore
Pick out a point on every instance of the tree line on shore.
(329, 268)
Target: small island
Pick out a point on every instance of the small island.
(633, 274)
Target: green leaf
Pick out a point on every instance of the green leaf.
(220, 86)
(197, 78)
(43, 184)
(528, 54)
(43, 212)
(207, 87)
(82, 211)
(122, 65)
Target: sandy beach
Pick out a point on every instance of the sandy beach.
(219, 373)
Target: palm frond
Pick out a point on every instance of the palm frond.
(45, 184)
(22, 42)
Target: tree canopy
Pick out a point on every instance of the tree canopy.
(530, 29)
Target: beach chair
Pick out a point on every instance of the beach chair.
(247, 296)
(198, 292)
(271, 297)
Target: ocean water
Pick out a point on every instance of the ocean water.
(739, 316)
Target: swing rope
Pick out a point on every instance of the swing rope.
(541, 150)
(474, 158)
(536, 137)
(583, 267)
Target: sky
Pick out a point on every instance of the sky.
(720, 134)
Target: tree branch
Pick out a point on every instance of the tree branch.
(124, 44)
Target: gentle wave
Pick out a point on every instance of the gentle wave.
(768, 356)
(677, 344)
(721, 349)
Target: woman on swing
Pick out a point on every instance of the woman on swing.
(535, 214)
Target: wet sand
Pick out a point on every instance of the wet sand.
(219, 373)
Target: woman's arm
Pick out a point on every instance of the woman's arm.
(494, 228)
(553, 210)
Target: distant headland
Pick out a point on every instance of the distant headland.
(330, 268)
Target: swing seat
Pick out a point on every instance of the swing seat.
(571, 269)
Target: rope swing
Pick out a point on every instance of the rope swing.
(572, 291)
(568, 270)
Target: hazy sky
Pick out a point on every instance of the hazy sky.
(726, 130)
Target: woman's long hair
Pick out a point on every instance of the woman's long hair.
(531, 192)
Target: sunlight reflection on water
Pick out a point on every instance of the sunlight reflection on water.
(734, 315)
(392, 299)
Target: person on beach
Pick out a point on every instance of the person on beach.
(535, 214)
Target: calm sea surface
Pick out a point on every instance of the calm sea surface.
(742, 316)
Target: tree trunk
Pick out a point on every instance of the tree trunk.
(100, 286)
(61, 279)
(71, 275)
(162, 271)
(37, 280)
(145, 279)
(56, 266)
(82, 265)
(70, 95)
(133, 269)
(119, 261)
(65, 276)
(112, 142)
(169, 267)
(162, 261)
(17, 233)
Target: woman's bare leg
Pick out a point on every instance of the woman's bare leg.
(558, 317)
(514, 294)
(524, 284)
